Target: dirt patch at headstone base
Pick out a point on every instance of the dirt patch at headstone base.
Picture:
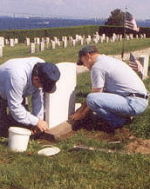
(138, 146)
(121, 135)
(134, 144)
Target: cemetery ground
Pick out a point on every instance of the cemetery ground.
(119, 161)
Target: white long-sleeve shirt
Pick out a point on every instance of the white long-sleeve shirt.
(15, 84)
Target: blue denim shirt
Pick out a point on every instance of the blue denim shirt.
(16, 83)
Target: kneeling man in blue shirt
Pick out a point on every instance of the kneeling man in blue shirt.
(23, 77)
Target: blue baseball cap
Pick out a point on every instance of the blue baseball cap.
(49, 74)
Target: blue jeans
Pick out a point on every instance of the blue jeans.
(115, 109)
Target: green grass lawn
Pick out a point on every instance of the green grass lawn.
(78, 169)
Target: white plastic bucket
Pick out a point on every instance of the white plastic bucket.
(18, 139)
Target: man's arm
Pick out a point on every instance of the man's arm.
(97, 90)
(14, 92)
(84, 109)
(38, 104)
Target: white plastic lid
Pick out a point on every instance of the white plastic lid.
(49, 151)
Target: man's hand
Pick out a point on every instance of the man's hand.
(42, 125)
(81, 113)
(136, 66)
(78, 115)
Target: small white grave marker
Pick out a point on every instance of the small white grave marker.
(6, 41)
(53, 44)
(28, 41)
(65, 43)
(2, 41)
(73, 42)
(1, 51)
(42, 46)
(12, 43)
(38, 41)
(82, 41)
(144, 60)
(32, 49)
(16, 41)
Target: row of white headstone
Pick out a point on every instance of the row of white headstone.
(46, 43)
(78, 38)
(12, 42)
(40, 44)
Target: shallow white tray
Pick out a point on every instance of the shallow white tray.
(50, 151)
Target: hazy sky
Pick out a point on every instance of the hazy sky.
(75, 8)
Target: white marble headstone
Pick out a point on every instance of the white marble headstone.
(73, 42)
(144, 35)
(58, 43)
(28, 41)
(37, 40)
(144, 60)
(32, 48)
(1, 51)
(42, 46)
(16, 41)
(2, 41)
(88, 41)
(107, 39)
(47, 39)
(53, 44)
(82, 41)
(60, 104)
(12, 42)
(6, 41)
(65, 43)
